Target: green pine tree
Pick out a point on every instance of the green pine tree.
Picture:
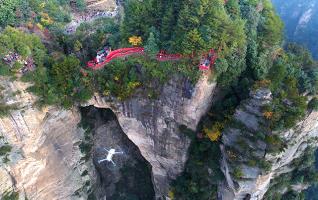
(151, 47)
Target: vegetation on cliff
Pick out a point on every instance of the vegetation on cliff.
(246, 34)
(303, 175)
(290, 74)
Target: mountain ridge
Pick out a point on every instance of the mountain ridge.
(301, 25)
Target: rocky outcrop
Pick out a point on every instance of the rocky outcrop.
(240, 145)
(44, 162)
(153, 125)
(129, 172)
(101, 5)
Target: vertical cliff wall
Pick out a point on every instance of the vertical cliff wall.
(45, 161)
(130, 175)
(153, 125)
(242, 143)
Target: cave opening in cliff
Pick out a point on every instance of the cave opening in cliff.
(130, 172)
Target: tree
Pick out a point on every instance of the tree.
(63, 72)
(214, 133)
(68, 82)
(271, 28)
(166, 31)
(78, 46)
(8, 12)
(233, 8)
(193, 42)
(138, 19)
(81, 5)
(135, 40)
(277, 74)
(151, 47)
(26, 45)
(313, 104)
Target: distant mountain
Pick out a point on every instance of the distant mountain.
(301, 21)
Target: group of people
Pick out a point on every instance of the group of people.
(12, 57)
(71, 28)
(28, 65)
(101, 55)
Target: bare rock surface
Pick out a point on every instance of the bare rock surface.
(130, 171)
(44, 162)
(254, 182)
(153, 125)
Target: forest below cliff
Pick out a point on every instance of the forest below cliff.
(247, 36)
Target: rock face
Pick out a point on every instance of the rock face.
(44, 162)
(130, 171)
(254, 181)
(101, 5)
(152, 125)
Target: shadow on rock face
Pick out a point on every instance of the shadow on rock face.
(130, 175)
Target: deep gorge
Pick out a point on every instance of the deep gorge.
(131, 177)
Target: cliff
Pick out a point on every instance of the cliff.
(46, 161)
(244, 150)
(52, 153)
(153, 125)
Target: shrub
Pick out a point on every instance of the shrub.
(171, 195)
(237, 173)
(313, 104)
(214, 133)
(252, 163)
(265, 165)
(275, 143)
(5, 149)
(5, 109)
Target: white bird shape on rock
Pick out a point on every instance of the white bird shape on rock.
(110, 155)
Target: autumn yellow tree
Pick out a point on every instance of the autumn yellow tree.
(46, 19)
(268, 114)
(214, 133)
(135, 40)
(261, 84)
(171, 195)
(78, 46)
